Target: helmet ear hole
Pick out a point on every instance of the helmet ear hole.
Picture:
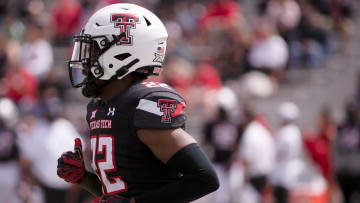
(123, 56)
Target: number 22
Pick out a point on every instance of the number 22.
(104, 144)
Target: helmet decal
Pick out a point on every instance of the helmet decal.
(160, 53)
(125, 22)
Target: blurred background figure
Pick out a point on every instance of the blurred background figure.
(319, 148)
(9, 152)
(37, 53)
(3, 54)
(257, 153)
(289, 152)
(269, 52)
(18, 84)
(65, 21)
(42, 140)
(222, 136)
(347, 154)
(284, 14)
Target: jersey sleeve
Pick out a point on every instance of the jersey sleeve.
(160, 110)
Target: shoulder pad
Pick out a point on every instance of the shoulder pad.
(159, 107)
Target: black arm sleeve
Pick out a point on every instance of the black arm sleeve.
(199, 178)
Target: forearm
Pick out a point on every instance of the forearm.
(199, 178)
(91, 183)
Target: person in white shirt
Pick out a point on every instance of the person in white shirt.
(289, 151)
(257, 152)
(36, 55)
(9, 156)
(42, 140)
(269, 52)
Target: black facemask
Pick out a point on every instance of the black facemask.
(84, 62)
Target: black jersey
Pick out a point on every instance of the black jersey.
(122, 162)
(224, 137)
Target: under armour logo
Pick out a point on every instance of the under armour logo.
(111, 111)
(93, 114)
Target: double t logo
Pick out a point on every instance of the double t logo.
(125, 22)
(168, 107)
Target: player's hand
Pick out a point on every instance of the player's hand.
(71, 166)
(114, 199)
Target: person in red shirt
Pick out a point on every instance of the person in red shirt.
(224, 11)
(65, 20)
(319, 146)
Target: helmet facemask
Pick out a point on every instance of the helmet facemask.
(84, 61)
(84, 66)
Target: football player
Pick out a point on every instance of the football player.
(140, 150)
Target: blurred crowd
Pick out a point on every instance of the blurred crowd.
(211, 44)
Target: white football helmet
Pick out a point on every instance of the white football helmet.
(117, 40)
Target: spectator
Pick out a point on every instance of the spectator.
(319, 147)
(187, 13)
(205, 85)
(222, 135)
(55, 79)
(289, 151)
(221, 12)
(3, 55)
(9, 157)
(19, 85)
(65, 21)
(51, 136)
(223, 24)
(285, 15)
(269, 51)
(207, 76)
(312, 45)
(257, 152)
(37, 55)
(342, 15)
(179, 74)
(347, 155)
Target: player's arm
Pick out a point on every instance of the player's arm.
(179, 150)
(159, 119)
